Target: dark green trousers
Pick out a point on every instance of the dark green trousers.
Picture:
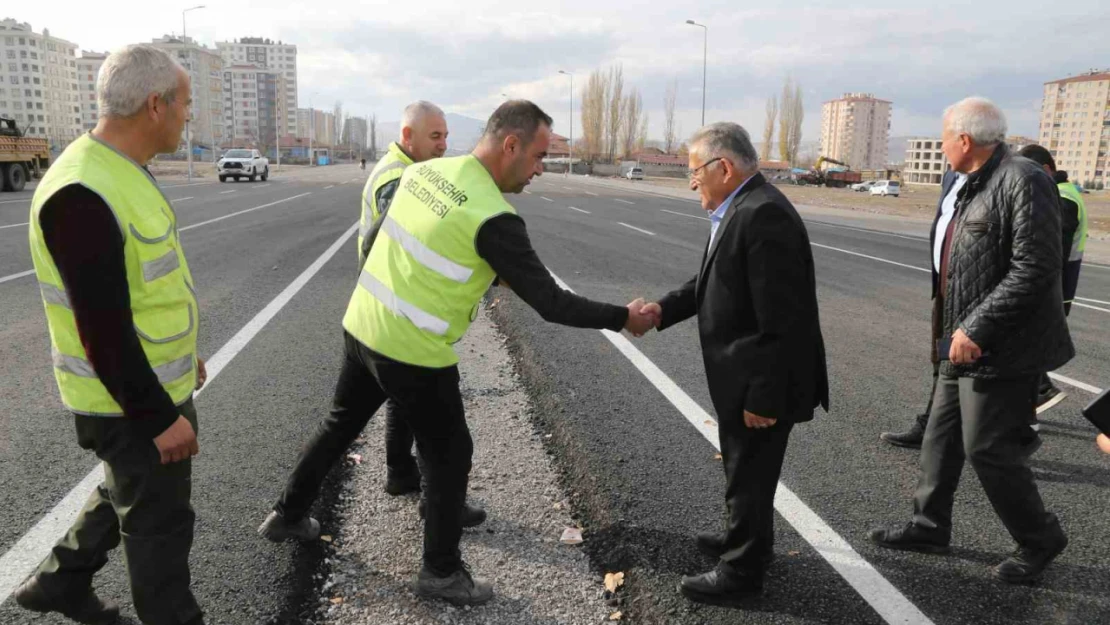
(144, 503)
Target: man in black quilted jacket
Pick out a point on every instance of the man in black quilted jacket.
(998, 326)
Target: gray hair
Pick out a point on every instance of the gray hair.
(978, 118)
(417, 111)
(129, 75)
(725, 140)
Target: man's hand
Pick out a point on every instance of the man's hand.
(655, 310)
(178, 442)
(757, 422)
(964, 351)
(202, 373)
(640, 319)
(1104, 443)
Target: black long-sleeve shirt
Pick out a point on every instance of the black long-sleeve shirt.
(84, 239)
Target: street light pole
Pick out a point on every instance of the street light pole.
(188, 134)
(704, 54)
(570, 146)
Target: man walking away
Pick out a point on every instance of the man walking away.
(1002, 326)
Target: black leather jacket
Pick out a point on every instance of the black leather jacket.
(1004, 268)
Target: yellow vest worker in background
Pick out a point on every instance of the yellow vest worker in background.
(123, 316)
(448, 233)
(423, 137)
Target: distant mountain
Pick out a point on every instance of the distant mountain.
(462, 133)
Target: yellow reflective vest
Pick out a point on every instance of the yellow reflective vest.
(1079, 243)
(163, 300)
(422, 282)
(388, 168)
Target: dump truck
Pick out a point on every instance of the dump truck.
(837, 178)
(20, 157)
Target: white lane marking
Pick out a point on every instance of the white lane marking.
(685, 215)
(230, 215)
(527, 192)
(14, 225)
(28, 200)
(1083, 386)
(182, 199)
(1097, 301)
(194, 184)
(876, 258)
(1097, 266)
(617, 199)
(866, 231)
(16, 276)
(590, 193)
(568, 188)
(546, 198)
(883, 597)
(24, 556)
(1082, 305)
(636, 229)
(328, 187)
(226, 192)
(579, 210)
(262, 186)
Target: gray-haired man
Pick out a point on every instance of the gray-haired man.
(999, 324)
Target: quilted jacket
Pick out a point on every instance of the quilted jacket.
(1004, 271)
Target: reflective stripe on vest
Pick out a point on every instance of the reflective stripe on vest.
(1079, 241)
(420, 287)
(387, 169)
(163, 301)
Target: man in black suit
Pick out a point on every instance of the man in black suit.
(756, 303)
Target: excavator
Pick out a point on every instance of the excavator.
(838, 179)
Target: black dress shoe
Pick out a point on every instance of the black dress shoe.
(911, 537)
(911, 438)
(87, 609)
(472, 516)
(722, 586)
(712, 544)
(402, 484)
(1027, 565)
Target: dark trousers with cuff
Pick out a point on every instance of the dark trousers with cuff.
(986, 423)
(398, 443)
(146, 504)
(752, 461)
(431, 404)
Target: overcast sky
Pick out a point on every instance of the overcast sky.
(464, 55)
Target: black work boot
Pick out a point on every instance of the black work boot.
(402, 484)
(1027, 565)
(472, 516)
(911, 438)
(459, 588)
(911, 537)
(275, 528)
(723, 586)
(712, 544)
(88, 609)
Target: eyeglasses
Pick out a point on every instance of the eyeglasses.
(690, 173)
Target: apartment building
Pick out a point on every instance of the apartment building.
(266, 54)
(1075, 125)
(253, 105)
(205, 68)
(855, 130)
(925, 161)
(38, 83)
(317, 124)
(88, 68)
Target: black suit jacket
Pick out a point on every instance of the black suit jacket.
(949, 179)
(756, 301)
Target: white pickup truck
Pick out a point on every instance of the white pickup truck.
(249, 164)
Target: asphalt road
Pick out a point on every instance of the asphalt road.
(647, 481)
(641, 477)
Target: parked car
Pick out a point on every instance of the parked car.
(886, 187)
(863, 186)
(249, 164)
(635, 173)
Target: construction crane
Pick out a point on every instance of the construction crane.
(836, 179)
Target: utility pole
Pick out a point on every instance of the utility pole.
(570, 146)
(704, 54)
(188, 132)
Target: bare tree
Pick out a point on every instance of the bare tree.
(769, 127)
(796, 117)
(615, 111)
(642, 134)
(670, 137)
(633, 113)
(593, 113)
(786, 105)
(372, 129)
(337, 123)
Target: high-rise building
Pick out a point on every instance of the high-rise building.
(355, 132)
(1075, 125)
(38, 83)
(205, 68)
(253, 106)
(88, 68)
(267, 54)
(317, 124)
(855, 130)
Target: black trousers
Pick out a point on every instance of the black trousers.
(752, 461)
(430, 403)
(146, 504)
(398, 443)
(986, 423)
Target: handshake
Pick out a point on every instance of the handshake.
(642, 317)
